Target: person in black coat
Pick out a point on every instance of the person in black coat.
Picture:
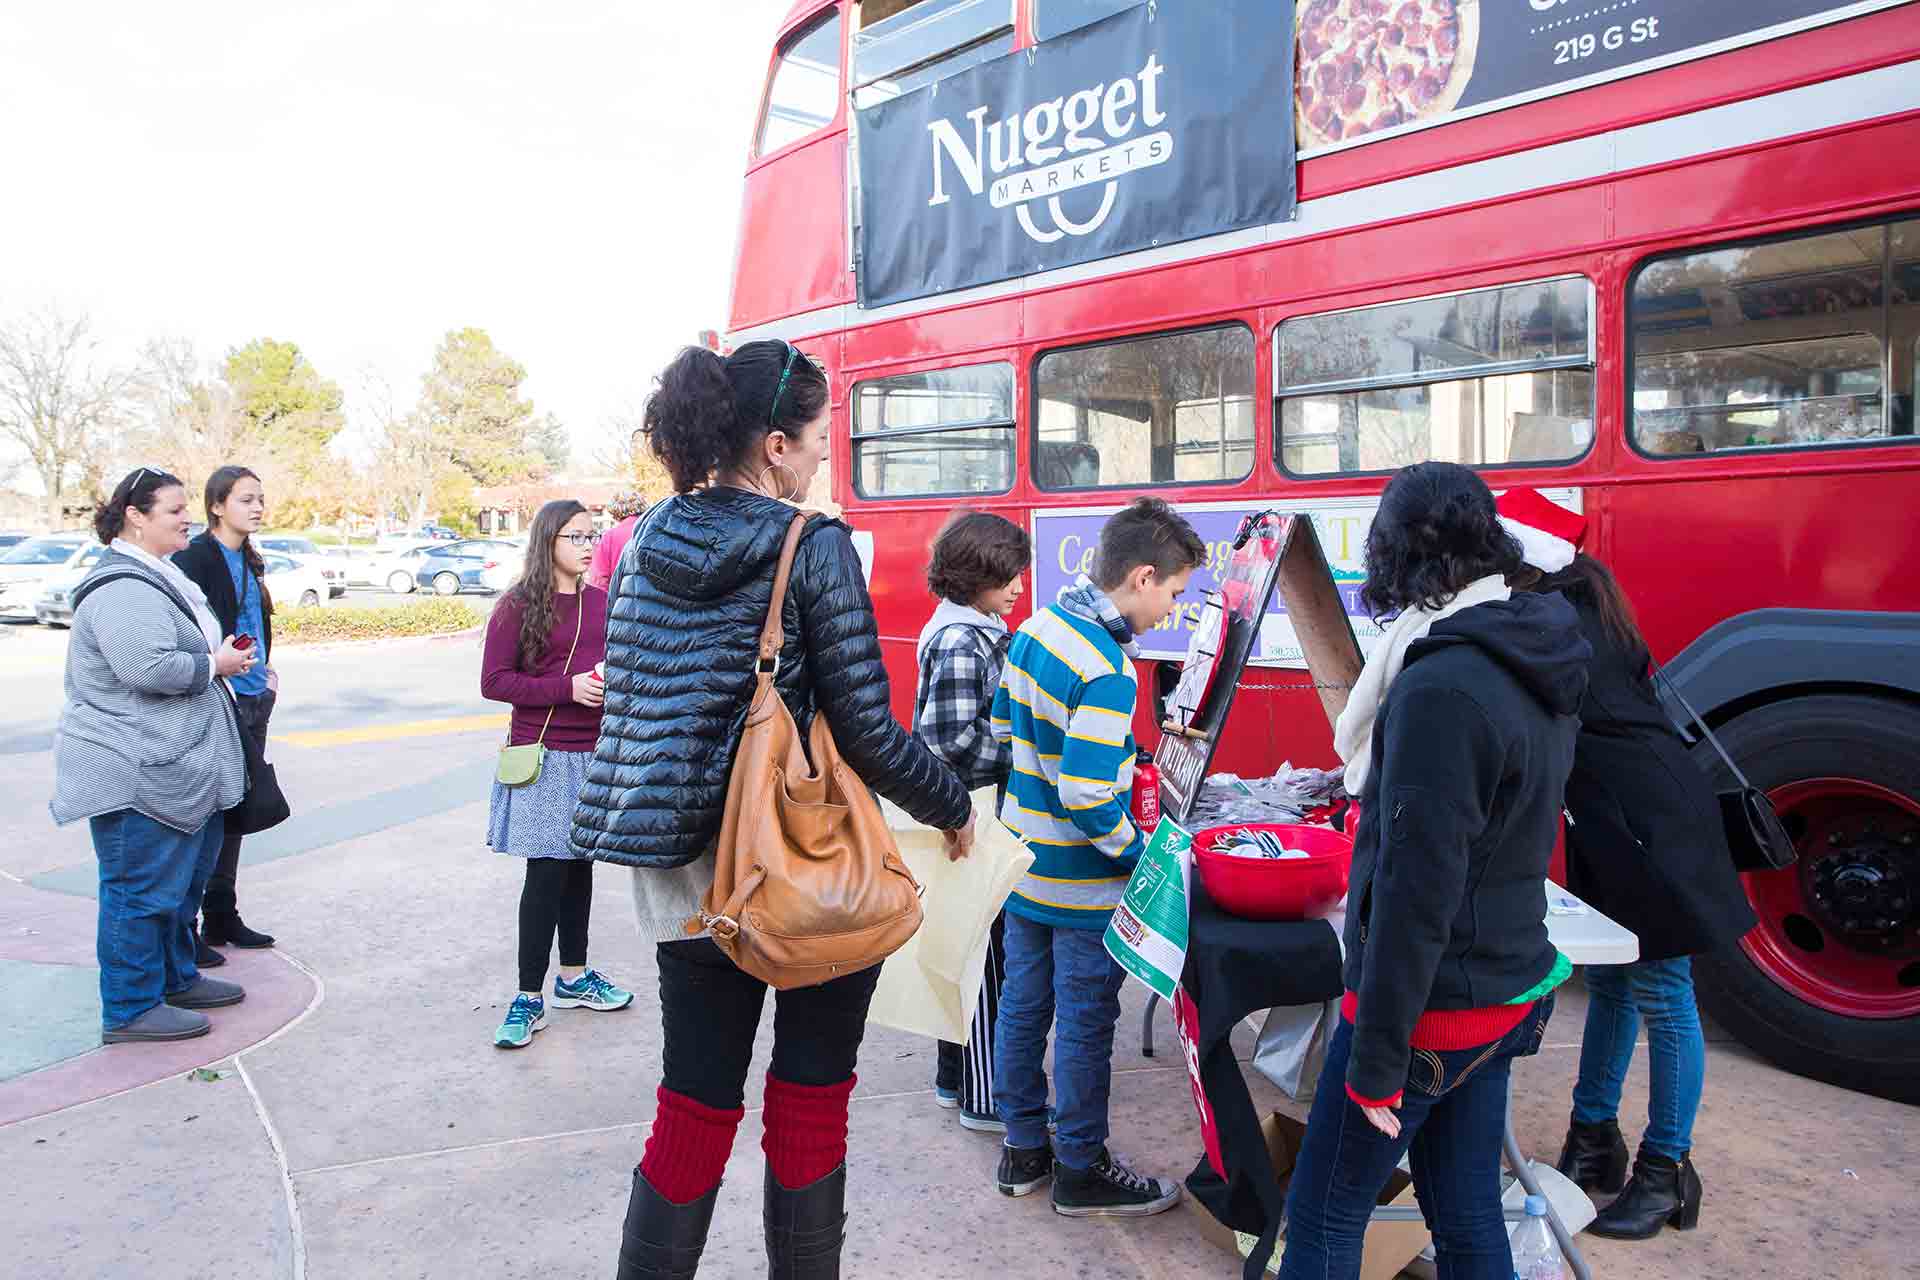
(1458, 737)
(223, 563)
(1645, 846)
(742, 437)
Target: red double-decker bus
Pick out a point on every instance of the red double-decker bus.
(1680, 294)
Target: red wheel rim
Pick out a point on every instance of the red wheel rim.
(1803, 941)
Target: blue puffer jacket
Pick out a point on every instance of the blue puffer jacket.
(683, 625)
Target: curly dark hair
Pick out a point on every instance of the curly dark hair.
(708, 411)
(1436, 531)
(975, 552)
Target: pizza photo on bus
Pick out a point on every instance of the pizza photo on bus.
(1363, 66)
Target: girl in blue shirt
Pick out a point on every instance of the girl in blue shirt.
(225, 565)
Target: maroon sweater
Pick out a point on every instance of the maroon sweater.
(549, 683)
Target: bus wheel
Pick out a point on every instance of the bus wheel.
(1827, 984)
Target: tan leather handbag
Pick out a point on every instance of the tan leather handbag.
(808, 884)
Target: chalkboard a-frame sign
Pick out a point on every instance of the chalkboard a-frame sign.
(1272, 550)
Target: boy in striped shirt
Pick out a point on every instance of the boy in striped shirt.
(1065, 705)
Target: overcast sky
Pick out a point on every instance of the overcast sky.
(360, 176)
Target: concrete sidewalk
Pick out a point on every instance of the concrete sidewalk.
(379, 1135)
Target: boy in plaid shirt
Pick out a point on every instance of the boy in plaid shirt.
(975, 572)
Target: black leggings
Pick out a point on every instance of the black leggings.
(711, 1011)
(219, 902)
(558, 896)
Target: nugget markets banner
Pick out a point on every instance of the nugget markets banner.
(1147, 128)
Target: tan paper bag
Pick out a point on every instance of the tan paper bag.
(931, 986)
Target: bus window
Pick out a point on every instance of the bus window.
(1175, 408)
(1781, 344)
(1057, 17)
(944, 431)
(806, 86)
(1491, 377)
(904, 44)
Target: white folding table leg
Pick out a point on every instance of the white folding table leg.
(1518, 1161)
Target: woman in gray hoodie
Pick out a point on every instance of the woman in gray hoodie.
(148, 750)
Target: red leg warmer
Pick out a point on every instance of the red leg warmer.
(806, 1130)
(688, 1147)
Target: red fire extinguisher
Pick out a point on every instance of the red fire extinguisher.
(1146, 792)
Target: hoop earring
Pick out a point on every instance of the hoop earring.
(783, 495)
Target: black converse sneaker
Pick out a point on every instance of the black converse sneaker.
(1110, 1190)
(1023, 1169)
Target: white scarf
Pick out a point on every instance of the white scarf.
(189, 590)
(1353, 732)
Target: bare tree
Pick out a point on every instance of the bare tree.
(63, 404)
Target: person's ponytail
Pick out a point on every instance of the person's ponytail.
(691, 422)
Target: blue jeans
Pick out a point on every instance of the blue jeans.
(151, 880)
(1064, 979)
(1451, 1119)
(1619, 996)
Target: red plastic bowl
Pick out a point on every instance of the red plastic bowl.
(1274, 889)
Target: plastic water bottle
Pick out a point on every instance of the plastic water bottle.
(1536, 1254)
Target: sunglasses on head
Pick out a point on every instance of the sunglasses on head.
(794, 355)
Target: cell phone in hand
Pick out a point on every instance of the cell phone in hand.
(243, 643)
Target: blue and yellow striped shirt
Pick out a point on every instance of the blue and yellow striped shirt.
(1065, 703)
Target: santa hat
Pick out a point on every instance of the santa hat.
(1548, 533)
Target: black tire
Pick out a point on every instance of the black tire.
(1875, 740)
(446, 584)
(308, 599)
(400, 582)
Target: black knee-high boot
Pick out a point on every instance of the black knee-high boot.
(663, 1240)
(806, 1227)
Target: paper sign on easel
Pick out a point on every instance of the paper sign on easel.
(1148, 933)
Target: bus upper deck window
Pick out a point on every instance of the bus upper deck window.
(1057, 17)
(806, 86)
(1171, 408)
(937, 432)
(904, 44)
(1488, 377)
(1784, 343)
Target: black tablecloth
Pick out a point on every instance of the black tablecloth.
(1235, 967)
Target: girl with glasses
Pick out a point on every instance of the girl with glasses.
(544, 641)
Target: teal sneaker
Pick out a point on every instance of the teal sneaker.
(526, 1015)
(593, 991)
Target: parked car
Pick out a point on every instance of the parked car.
(295, 582)
(394, 568)
(54, 608)
(12, 539)
(307, 552)
(453, 567)
(27, 567)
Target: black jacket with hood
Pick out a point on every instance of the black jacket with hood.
(1459, 815)
(683, 627)
(203, 561)
(1646, 846)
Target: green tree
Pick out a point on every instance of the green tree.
(288, 402)
(471, 407)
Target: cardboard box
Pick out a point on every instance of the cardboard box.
(1389, 1246)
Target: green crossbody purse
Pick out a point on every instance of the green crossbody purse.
(520, 765)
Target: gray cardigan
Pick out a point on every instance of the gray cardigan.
(146, 727)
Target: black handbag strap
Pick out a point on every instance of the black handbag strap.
(1660, 673)
(92, 585)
